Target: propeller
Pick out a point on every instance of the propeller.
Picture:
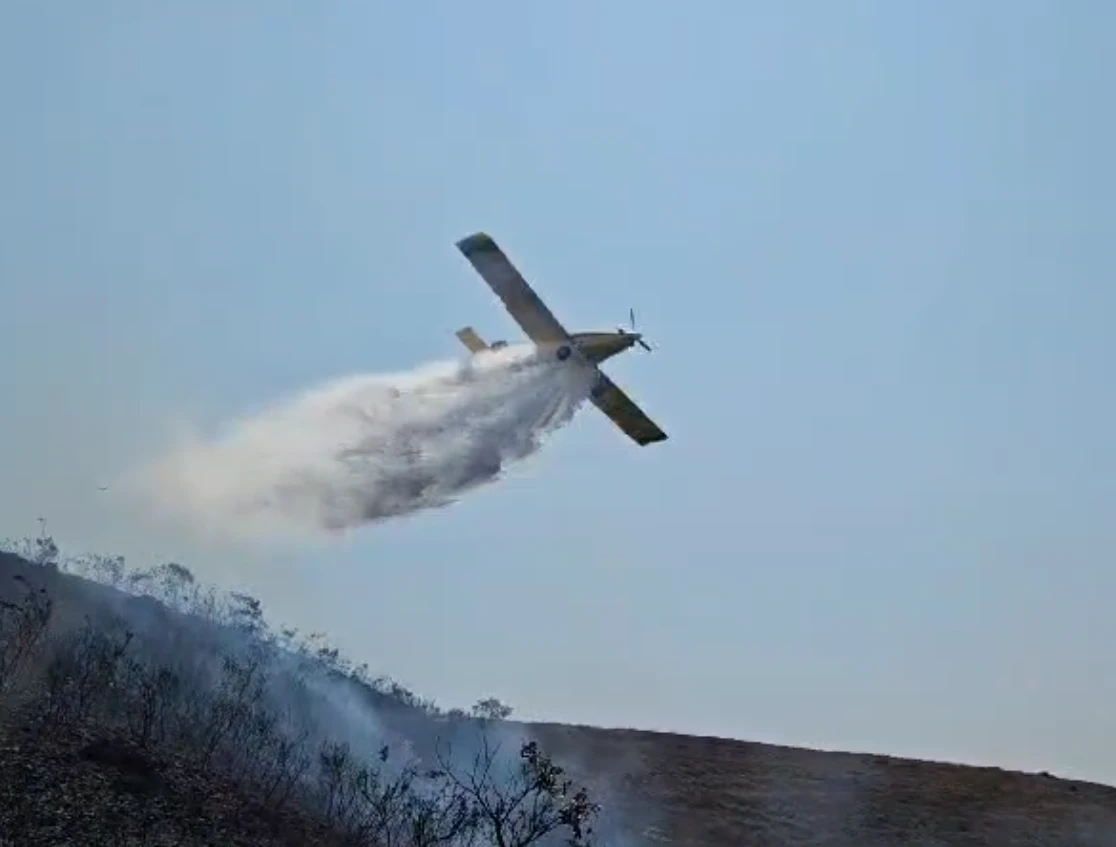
(639, 341)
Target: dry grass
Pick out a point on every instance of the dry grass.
(716, 792)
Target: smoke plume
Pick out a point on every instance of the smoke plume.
(365, 448)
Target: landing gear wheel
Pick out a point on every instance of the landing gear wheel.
(563, 353)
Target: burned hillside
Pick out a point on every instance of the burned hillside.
(171, 714)
(144, 708)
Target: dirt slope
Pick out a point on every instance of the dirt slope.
(716, 793)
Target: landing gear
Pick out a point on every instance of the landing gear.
(563, 353)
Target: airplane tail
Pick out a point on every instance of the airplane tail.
(471, 340)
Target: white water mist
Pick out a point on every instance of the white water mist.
(365, 448)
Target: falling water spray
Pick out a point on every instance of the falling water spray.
(366, 448)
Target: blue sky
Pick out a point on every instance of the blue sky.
(871, 241)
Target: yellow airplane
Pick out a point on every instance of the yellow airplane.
(536, 320)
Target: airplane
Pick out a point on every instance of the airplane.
(540, 325)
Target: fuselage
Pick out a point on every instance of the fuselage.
(592, 347)
(598, 346)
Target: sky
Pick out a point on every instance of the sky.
(872, 243)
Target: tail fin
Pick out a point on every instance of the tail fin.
(471, 340)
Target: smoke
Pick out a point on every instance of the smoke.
(365, 448)
(200, 635)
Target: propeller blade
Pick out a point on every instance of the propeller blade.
(631, 317)
(644, 345)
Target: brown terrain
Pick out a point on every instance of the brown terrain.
(102, 779)
(717, 792)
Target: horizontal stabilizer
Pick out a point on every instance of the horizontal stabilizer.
(471, 340)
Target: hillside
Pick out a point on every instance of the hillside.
(717, 792)
(83, 762)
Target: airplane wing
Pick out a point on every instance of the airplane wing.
(518, 297)
(625, 413)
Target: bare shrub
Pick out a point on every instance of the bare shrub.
(284, 766)
(491, 801)
(83, 673)
(491, 709)
(403, 810)
(153, 698)
(520, 805)
(339, 777)
(22, 626)
(238, 697)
